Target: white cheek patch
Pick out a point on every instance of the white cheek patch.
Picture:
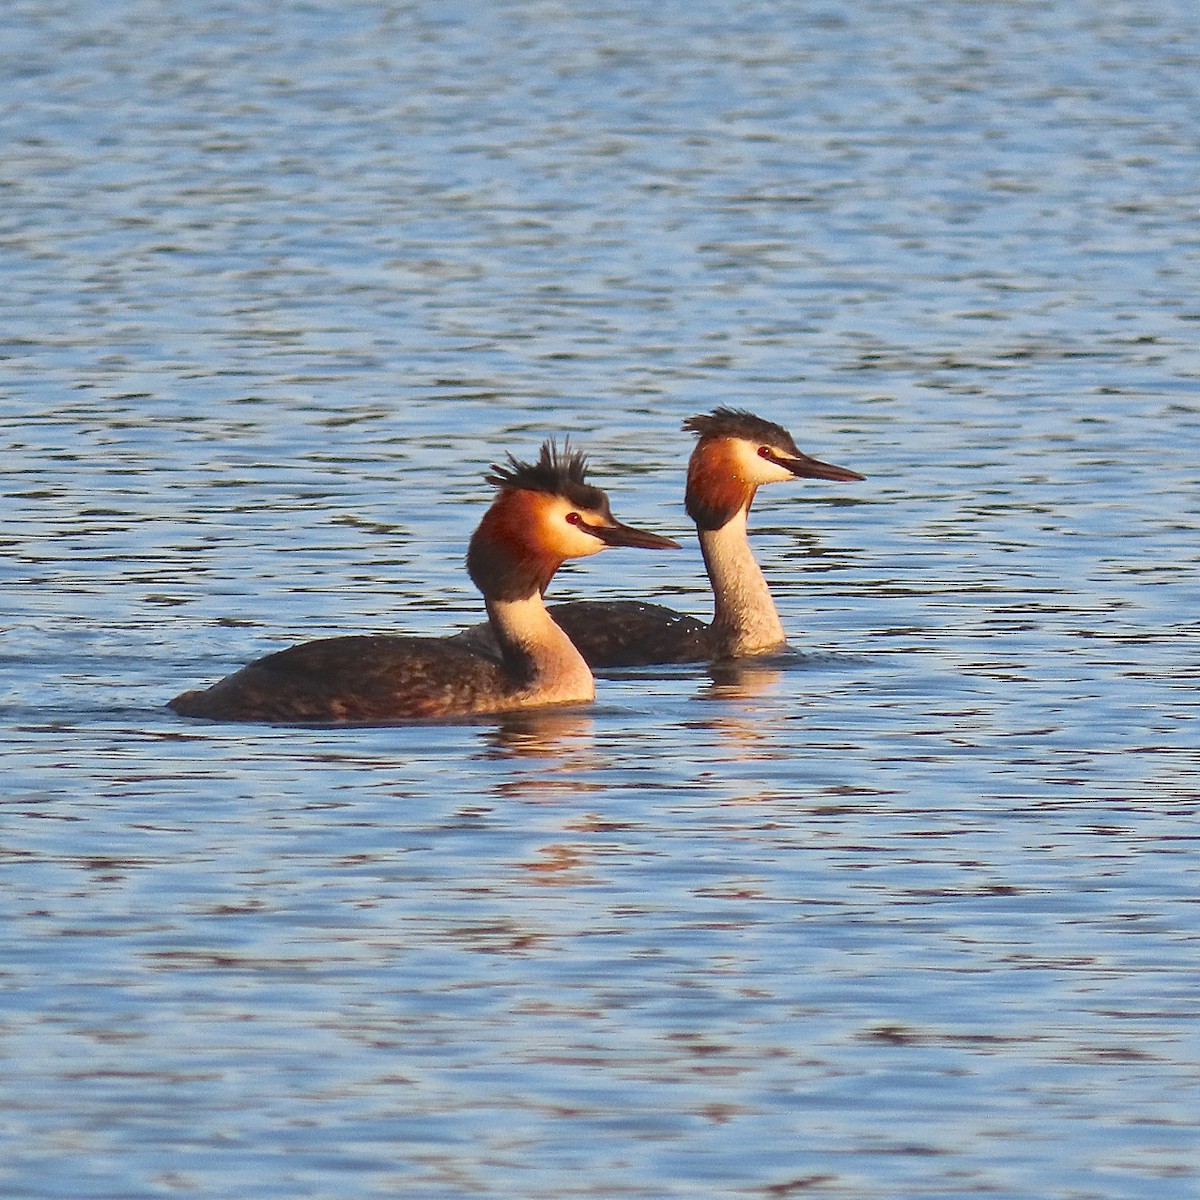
(774, 473)
(754, 467)
(567, 539)
(589, 542)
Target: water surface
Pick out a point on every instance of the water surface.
(912, 914)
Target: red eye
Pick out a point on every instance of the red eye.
(764, 452)
(573, 518)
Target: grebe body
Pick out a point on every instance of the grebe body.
(543, 514)
(628, 633)
(737, 452)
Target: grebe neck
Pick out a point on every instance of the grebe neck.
(537, 652)
(745, 620)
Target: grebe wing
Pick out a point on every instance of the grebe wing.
(632, 633)
(478, 639)
(369, 679)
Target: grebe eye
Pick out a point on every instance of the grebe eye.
(573, 518)
(765, 452)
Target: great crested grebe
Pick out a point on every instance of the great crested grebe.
(736, 453)
(544, 513)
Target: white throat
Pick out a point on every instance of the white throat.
(530, 639)
(744, 620)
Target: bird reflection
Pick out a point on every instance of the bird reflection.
(745, 731)
(539, 733)
(561, 864)
(743, 678)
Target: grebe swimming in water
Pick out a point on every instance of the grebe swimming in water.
(545, 513)
(736, 453)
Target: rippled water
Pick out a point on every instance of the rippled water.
(913, 915)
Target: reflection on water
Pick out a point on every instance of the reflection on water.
(743, 680)
(560, 735)
(909, 913)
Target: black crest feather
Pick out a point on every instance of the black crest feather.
(558, 472)
(739, 423)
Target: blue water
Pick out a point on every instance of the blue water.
(914, 915)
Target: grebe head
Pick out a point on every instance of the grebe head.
(736, 453)
(545, 513)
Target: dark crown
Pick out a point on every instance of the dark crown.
(738, 423)
(558, 472)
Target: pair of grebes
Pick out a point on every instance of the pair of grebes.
(527, 655)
